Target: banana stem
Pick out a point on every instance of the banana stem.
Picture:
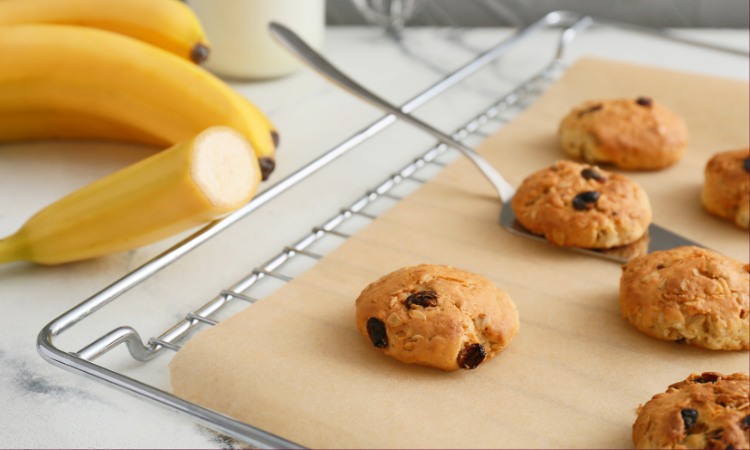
(10, 250)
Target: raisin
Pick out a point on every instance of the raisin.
(745, 424)
(585, 200)
(707, 377)
(747, 164)
(376, 331)
(689, 417)
(660, 266)
(422, 298)
(593, 108)
(471, 356)
(591, 174)
(644, 101)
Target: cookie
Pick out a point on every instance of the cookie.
(579, 205)
(632, 134)
(437, 316)
(706, 411)
(726, 189)
(688, 294)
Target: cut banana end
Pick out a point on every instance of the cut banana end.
(185, 186)
(224, 168)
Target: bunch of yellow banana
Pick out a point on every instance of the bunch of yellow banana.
(73, 81)
(125, 70)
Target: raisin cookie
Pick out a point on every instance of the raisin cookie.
(578, 205)
(726, 190)
(633, 134)
(436, 316)
(706, 411)
(688, 294)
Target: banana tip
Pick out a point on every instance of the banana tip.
(267, 165)
(10, 249)
(199, 53)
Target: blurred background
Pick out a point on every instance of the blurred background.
(511, 13)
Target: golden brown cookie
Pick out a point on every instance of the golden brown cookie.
(436, 316)
(578, 205)
(632, 133)
(688, 294)
(726, 190)
(706, 411)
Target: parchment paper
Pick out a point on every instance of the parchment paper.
(294, 363)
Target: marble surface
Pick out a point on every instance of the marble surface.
(45, 406)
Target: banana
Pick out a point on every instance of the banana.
(62, 81)
(185, 186)
(21, 126)
(169, 24)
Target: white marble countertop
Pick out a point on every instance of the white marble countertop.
(45, 406)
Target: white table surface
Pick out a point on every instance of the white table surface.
(44, 406)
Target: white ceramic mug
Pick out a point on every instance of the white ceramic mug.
(241, 46)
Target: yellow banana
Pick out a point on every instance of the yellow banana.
(61, 81)
(169, 24)
(187, 185)
(20, 126)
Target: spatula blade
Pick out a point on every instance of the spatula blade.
(657, 238)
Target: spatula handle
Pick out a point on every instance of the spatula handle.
(315, 61)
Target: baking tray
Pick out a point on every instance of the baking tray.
(252, 287)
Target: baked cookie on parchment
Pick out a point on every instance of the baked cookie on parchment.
(437, 316)
(630, 133)
(688, 294)
(579, 205)
(705, 411)
(726, 189)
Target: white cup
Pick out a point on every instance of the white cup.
(241, 46)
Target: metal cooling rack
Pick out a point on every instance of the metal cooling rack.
(82, 361)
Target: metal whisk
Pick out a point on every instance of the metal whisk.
(392, 15)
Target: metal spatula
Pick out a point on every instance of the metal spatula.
(657, 237)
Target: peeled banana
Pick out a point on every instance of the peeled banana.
(187, 185)
(169, 24)
(62, 81)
